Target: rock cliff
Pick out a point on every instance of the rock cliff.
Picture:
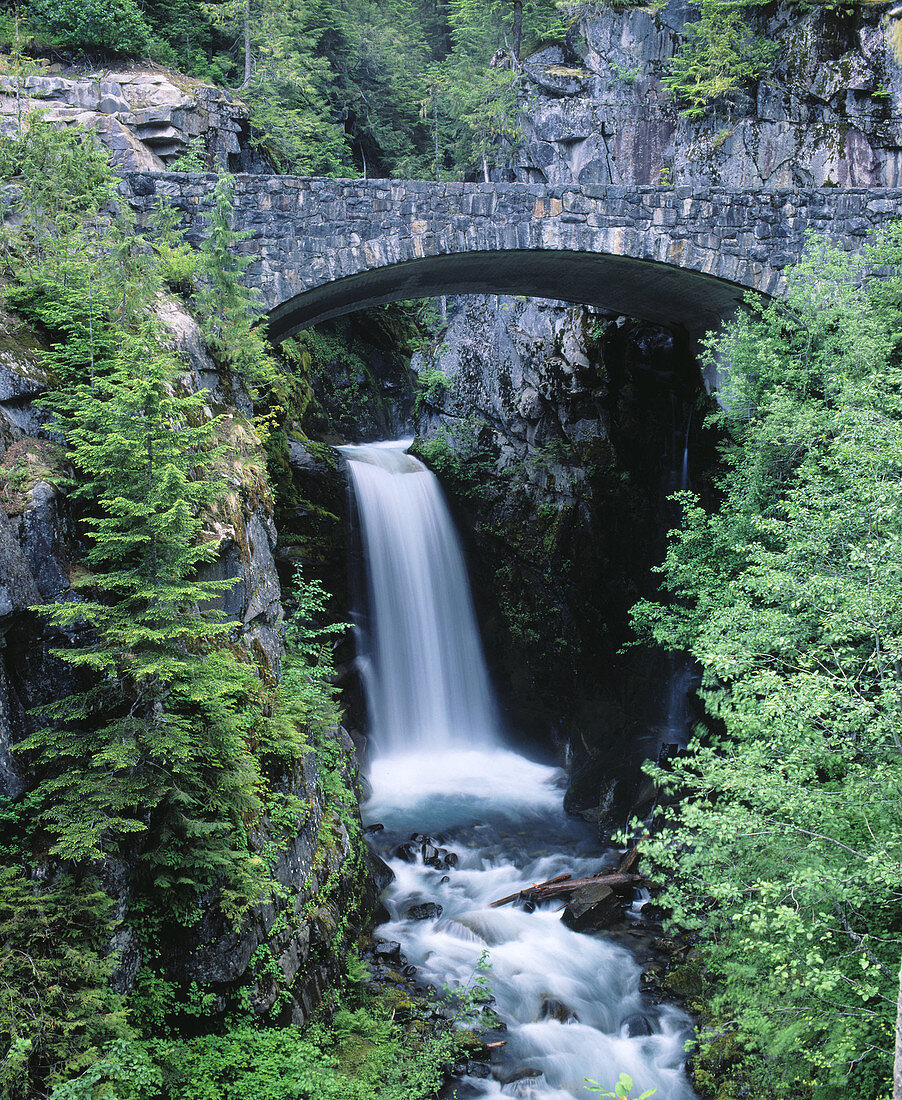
(287, 951)
(146, 119)
(827, 114)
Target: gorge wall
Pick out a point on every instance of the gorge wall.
(288, 951)
(560, 430)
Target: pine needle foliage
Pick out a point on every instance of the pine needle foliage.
(229, 311)
(56, 1008)
(719, 56)
(167, 746)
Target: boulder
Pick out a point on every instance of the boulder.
(637, 1025)
(592, 907)
(428, 910)
(552, 1009)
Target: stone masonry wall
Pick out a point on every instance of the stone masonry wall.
(308, 233)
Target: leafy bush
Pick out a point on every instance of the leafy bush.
(784, 852)
(115, 25)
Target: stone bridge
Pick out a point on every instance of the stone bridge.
(673, 255)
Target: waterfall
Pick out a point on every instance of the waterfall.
(572, 1004)
(427, 685)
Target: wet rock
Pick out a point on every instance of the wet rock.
(406, 852)
(376, 827)
(439, 858)
(382, 873)
(387, 951)
(556, 1010)
(524, 1073)
(592, 907)
(637, 1025)
(429, 910)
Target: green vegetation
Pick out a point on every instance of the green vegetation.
(719, 56)
(406, 88)
(359, 1046)
(164, 708)
(622, 1091)
(56, 1007)
(478, 90)
(173, 761)
(432, 385)
(782, 850)
(115, 25)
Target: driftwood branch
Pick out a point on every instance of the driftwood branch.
(564, 885)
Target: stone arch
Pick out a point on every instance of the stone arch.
(648, 289)
(673, 255)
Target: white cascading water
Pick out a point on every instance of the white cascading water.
(571, 1002)
(427, 685)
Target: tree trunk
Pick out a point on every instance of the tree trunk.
(897, 1062)
(247, 43)
(435, 128)
(518, 28)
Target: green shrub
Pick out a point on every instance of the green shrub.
(116, 25)
(718, 56)
(55, 1004)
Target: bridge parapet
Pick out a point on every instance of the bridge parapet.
(321, 247)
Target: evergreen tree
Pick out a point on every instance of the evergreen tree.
(287, 81)
(719, 56)
(479, 87)
(159, 742)
(228, 310)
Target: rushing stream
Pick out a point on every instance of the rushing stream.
(571, 1002)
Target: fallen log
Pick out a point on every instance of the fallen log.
(561, 889)
(630, 859)
(564, 885)
(519, 894)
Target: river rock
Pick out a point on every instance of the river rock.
(478, 1069)
(553, 1009)
(382, 873)
(524, 1073)
(439, 858)
(387, 951)
(637, 1025)
(428, 910)
(592, 907)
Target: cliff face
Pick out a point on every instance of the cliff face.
(146, 119)
(581, 423)
(286, 951)
(828, 114)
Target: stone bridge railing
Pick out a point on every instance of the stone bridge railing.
(675, 255)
